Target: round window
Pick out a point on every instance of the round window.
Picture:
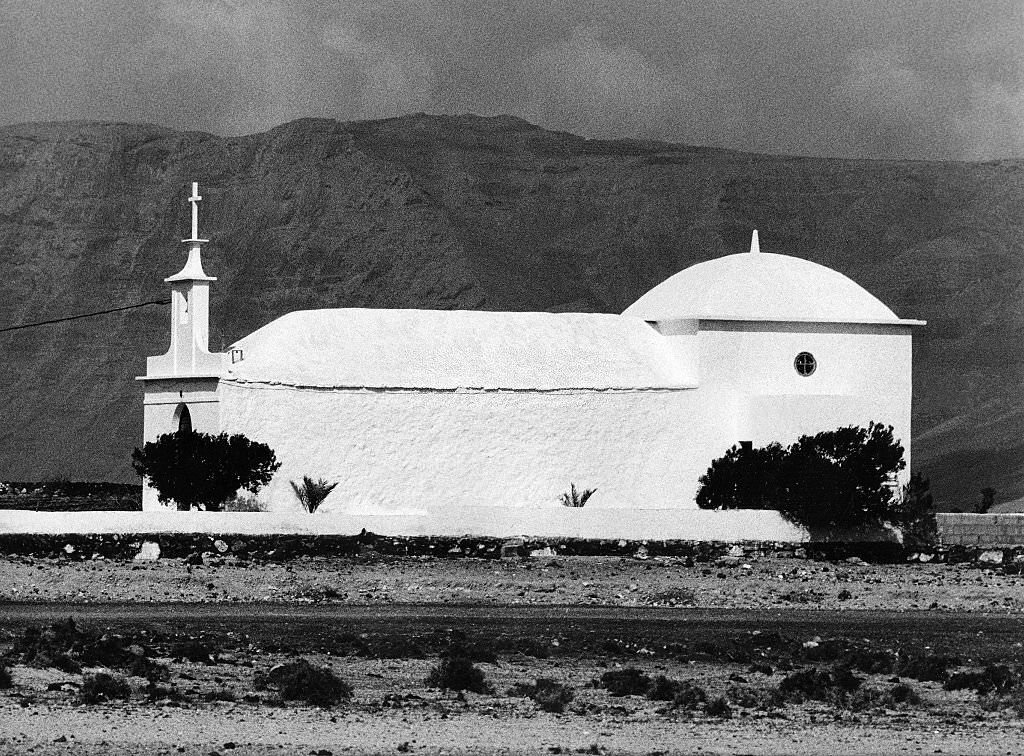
(805, 364)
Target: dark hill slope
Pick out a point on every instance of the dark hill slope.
(467, 212)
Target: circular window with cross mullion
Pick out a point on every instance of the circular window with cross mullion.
(805, 364)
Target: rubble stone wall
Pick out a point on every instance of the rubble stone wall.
(956, 529)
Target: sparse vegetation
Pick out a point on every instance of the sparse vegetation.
(719, 707)
(574, 499)
(196, 469)
(458, 673)
(629, 681)
(5, 677)
(301, 681)
(102, 687)
(549, 695)
(311, 493)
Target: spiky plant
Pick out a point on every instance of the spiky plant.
(574, 499)
(312, 493)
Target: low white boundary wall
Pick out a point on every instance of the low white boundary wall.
(549, 522)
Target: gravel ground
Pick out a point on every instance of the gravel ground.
(764, 582)
(394, 711)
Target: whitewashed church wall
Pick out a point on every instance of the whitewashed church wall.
(420, 451)
(860, 376)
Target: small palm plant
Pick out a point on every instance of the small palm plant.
(574, 499)
(312, 493)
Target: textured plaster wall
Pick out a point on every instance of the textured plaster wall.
(552, 522)
(863, 374)
(437, 451)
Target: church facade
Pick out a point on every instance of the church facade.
(417, 410)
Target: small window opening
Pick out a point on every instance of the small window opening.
(184, 419)
(805, 364)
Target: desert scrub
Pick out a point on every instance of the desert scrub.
(755, 697)
(5, 677)
(900, 695)
(549, 695)
(832, 686)
(102, 687)
(458, 673)
(719, 708)
(994, 678)
(626, 682)
(926, 667)
(301, 681)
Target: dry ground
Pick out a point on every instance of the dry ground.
(394, 711)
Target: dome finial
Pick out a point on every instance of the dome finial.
(754, 246)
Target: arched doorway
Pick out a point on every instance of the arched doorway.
(183, 418)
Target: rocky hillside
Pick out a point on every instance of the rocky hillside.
(467, 212)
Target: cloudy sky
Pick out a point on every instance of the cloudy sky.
(935, 79)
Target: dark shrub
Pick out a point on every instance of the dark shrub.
(193, 651)
(103, 687)
(996, 678)
(719, 708)
(626, 682)
(550, 695)
(917, 513)
(192, 468)
(5, 677)
(662, 689)
(925, 667)
(743, 479)
(762, 669)
(754, 697)
(902, 694)
(301, 681)
(832, 480)
(870, 661)
(818, 685)
(458, 673)
(689, 696)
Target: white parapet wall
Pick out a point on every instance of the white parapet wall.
(547, 522)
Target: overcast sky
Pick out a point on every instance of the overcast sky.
(941, 79)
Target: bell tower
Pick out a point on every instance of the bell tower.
(181, 387)
(189, 354)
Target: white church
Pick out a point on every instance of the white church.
(465, 418)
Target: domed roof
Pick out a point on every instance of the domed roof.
(761, 286)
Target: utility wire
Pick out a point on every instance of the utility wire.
(86, 315)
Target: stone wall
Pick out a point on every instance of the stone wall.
(982, 530)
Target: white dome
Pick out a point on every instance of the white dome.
(761, 286)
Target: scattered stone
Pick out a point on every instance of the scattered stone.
(727, 561)
(547, 551)
(149, 552)
(995, 556)
(735, 551)
(925, 558)
(221, 546)
(61, 739)
(855, 560)
(642, 553)
(69, 549)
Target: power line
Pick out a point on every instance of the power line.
(86, 315)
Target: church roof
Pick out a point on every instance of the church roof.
(762, 286)
(448, 350)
